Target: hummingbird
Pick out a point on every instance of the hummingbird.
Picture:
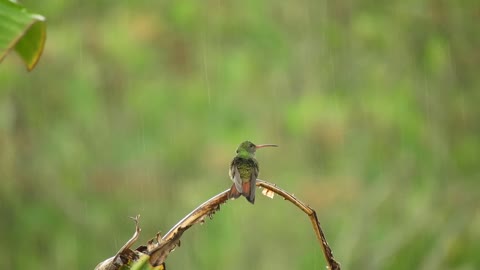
(244, 170)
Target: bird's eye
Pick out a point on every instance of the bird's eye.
(236, 151)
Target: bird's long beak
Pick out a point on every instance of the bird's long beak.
(266, 145)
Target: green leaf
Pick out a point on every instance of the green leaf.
(22, 31)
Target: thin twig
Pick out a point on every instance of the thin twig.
(327, 252)
(124, 254)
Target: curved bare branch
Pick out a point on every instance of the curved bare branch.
(327, 252)
(159, 252)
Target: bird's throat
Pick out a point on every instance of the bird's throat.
(245, 154)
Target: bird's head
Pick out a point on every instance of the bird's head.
(249, 148)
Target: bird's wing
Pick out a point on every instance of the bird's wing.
(235, 176)
(253, 181)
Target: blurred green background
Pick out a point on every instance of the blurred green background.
(137, 107)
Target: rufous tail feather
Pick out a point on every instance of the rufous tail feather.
(233, 192)
(247, 192)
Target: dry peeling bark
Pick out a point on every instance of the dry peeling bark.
(158, 248)
(125, 255)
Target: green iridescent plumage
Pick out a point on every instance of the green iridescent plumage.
(244, 171)
(246, 167)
